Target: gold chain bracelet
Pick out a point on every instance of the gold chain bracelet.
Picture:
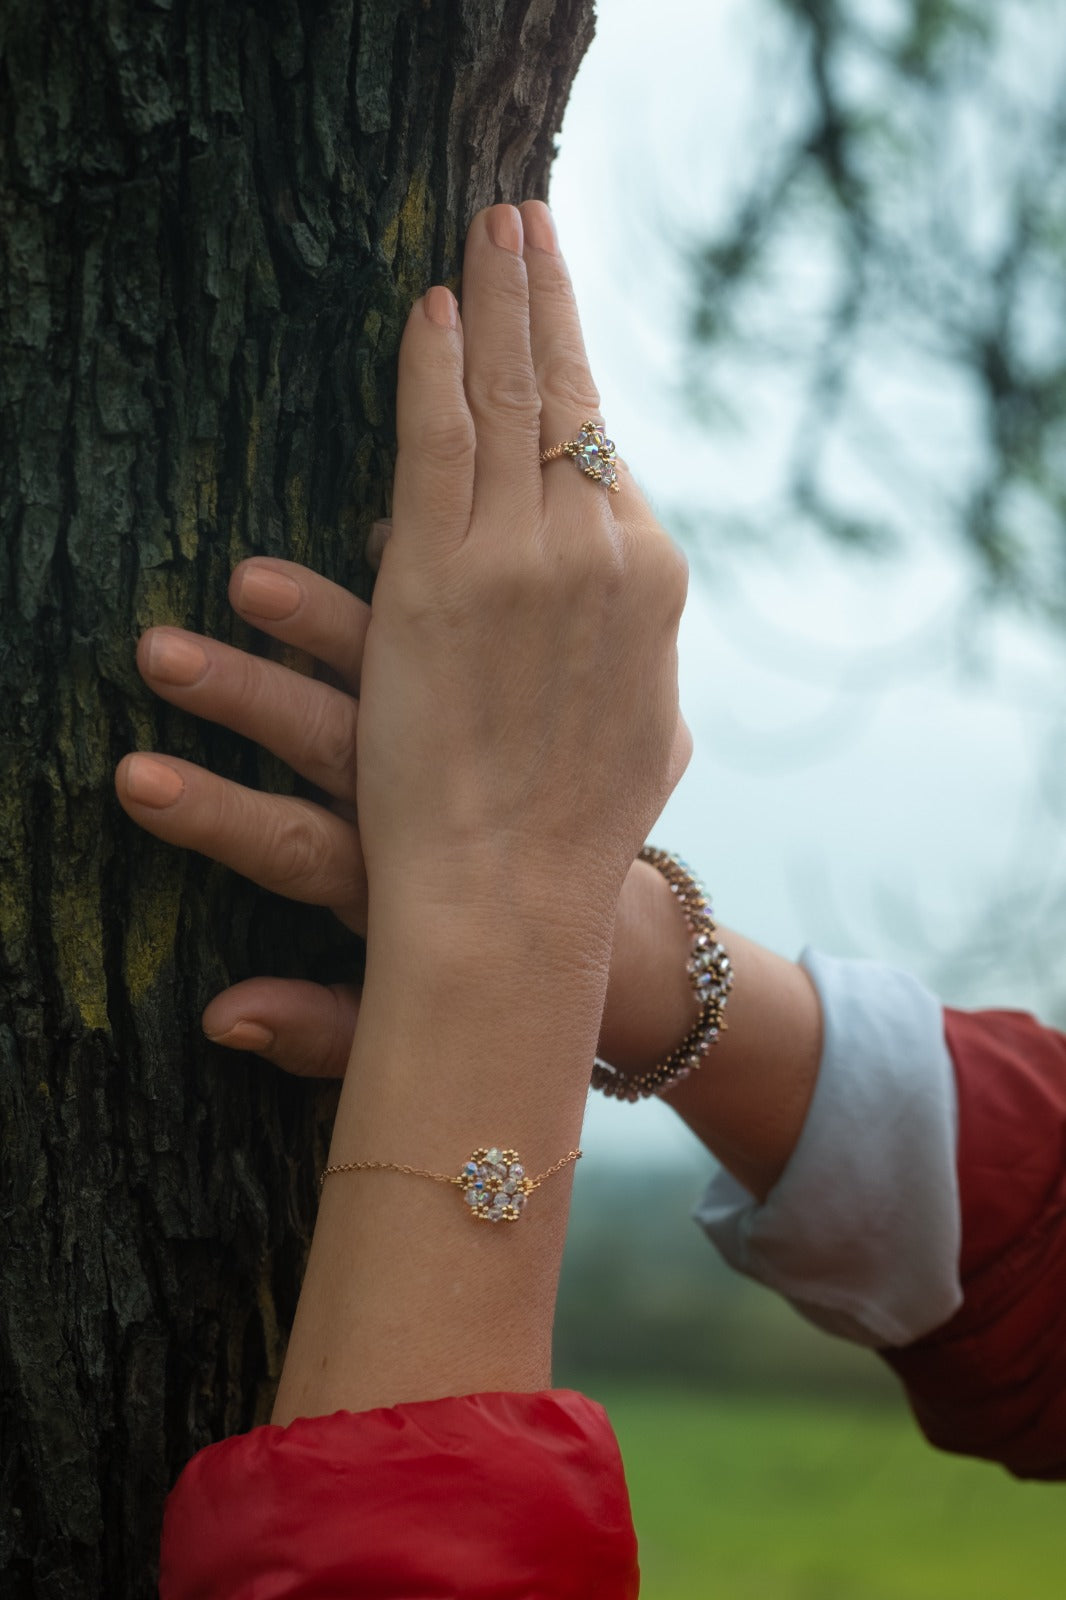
(493, 1181)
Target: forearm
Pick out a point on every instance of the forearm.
(481, 1036)
(749, 1101)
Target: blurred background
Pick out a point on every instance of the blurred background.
(820, 250)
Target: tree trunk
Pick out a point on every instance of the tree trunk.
(214, 217)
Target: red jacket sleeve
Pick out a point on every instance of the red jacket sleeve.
(508, 1496)
(992, 1381)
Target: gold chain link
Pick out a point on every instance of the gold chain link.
(573, 1155)
(437, 1177)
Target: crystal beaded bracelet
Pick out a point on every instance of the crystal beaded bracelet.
(711, 976)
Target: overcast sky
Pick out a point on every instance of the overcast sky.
(854, 785)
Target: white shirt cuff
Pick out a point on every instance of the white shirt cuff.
(862, 1231)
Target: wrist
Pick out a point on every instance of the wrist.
(482, 1013)
(531, 945)
(458, 1047)
(749, 1101)
(749, 1106)
(650, 1005)
(493, 879)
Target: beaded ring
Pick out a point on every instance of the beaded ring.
(592, 452)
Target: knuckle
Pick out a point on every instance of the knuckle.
(329, 741)
(680, 755)
(508, 579)
(608, 560)
(582, 555)
(447, 437)
(507, 391)
(667, 573)
(298, 848)
(683, 747)
(564, 373)
(675, 577)
(571, 389)
(316, 858)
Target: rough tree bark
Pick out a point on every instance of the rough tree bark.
(214, 216)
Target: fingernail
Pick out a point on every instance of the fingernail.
(268, 594)
(244, 1036)
(539, 227)
(175, 659)
(505, 228)
(153, 783)
(441, 308)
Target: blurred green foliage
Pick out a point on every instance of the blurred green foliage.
(766, 1460)
(785, 1499)
(899, 211)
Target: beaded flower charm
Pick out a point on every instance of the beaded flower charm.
(594, 453)
(495, 1185)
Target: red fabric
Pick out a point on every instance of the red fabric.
(992, 1381)
(484, 1497)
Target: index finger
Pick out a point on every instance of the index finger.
(301, 608)
(433, 488)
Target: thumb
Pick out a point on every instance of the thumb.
(304, 1028)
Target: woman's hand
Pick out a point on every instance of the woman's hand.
(584, 638)
(749, 1111)
(307, 852)
(519, 730)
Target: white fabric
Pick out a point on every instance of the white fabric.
(862, 1231)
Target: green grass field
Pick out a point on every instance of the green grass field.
(788, 1500)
